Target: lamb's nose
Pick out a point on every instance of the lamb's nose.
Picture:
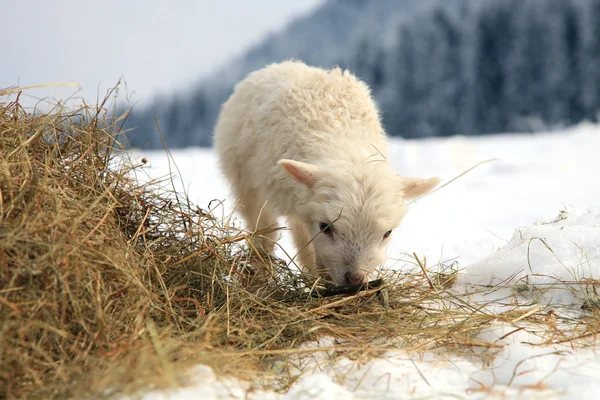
(354, 279)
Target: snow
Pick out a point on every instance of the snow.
(547, 256)
(530, 217)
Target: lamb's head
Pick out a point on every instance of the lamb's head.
(351, 213)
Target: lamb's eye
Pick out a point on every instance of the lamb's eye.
(387, 235)
(326, 228)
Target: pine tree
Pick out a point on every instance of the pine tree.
(447, 75)
(573, 33)
(493, 42)
(591, 75)
(400, 112)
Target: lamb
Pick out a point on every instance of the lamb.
(306, 143)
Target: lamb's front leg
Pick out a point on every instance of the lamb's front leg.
(305, 257)
(259, 218)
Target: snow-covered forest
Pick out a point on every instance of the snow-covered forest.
(436, 67)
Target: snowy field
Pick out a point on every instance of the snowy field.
(496, 222)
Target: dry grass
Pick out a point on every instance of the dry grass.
(110, 285)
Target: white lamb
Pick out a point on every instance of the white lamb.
(307, 144)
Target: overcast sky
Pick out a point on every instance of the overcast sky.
(155, 45)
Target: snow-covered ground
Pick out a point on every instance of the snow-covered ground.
(493, 221)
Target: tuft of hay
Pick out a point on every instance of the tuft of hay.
(110, 284)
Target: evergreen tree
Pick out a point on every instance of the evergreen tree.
(591, 75)
(494, 36)
(573, 33)
(369, 63)
(447, 75)
(400, 113)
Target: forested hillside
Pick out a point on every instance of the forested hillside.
(436, 67)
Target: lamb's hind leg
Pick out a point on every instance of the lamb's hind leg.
(260, 217)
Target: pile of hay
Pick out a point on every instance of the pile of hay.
(111, 285)
(82, 255)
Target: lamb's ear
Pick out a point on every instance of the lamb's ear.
(306, 174)
(415, 187)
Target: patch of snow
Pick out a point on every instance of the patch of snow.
(318, 386)
(205, 385)
(523, 364)
(551, 257)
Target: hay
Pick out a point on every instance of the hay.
(109, 284)
(78, 286)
